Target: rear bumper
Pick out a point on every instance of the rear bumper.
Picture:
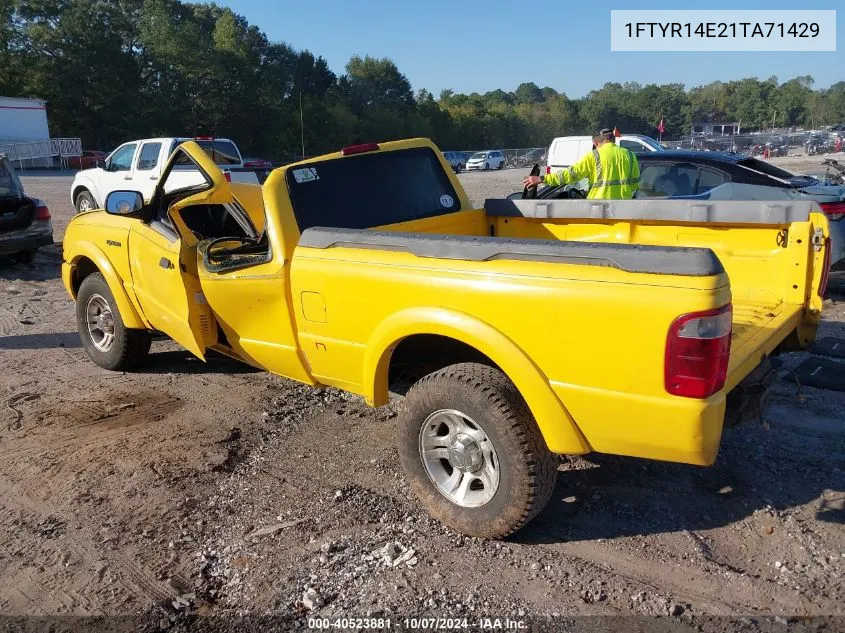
(18, 241)
(666, 428)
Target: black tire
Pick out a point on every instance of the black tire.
(27, 256)
(527, 469)
(460, 167)
(501, 165)
(486, 166)
(84, 198)
(128, 348)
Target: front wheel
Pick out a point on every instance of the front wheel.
(486, 166)
(108, 342)
(85, 202)
(472, 452)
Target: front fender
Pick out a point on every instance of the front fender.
(87, 181)
(132, 318)
(557, 426)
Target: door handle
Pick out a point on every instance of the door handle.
(153, 177)
(165, 263)
(127, 177)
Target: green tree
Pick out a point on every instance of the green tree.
(529, 93)
(793, 100)
(112, 70)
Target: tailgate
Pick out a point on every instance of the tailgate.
(757, 330)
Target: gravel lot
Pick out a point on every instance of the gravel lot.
(193, 489)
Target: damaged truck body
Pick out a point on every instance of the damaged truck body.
(529, 329)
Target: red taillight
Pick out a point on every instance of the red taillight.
(228, 176)
(548, 170)
(835, 211)
(42, 213)
(825, 268)
(359, 149)
(697, 352)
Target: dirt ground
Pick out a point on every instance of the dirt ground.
(189, 489)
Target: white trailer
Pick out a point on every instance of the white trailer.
(25, 135)
(24, 121)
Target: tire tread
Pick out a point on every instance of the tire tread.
(133, 345)
(505, 400)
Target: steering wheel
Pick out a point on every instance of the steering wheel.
(576, 193)
(529, 193)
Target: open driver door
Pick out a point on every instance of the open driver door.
(162, 250)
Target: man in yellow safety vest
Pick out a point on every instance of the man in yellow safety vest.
(613, 171)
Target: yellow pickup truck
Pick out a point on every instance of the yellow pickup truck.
(526, 329)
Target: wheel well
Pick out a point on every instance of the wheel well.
(81, 269)
(422, 354)
(77, 191)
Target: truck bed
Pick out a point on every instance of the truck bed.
(762, 246)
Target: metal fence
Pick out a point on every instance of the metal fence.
(18, 150)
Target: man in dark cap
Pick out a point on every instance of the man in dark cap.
(613, 171)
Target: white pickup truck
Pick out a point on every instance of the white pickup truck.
(137, 166)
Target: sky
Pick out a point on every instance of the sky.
(482, 45)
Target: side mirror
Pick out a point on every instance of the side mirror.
(100, 163)
(124, 202)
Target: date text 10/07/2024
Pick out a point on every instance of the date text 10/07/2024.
(722, 29)
(418, 624)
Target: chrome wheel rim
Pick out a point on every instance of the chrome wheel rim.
(100, 323)
(84, 204)
(459, 458)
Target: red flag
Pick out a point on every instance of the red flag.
(616, 132)
(660, 127)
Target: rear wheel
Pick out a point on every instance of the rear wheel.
(108, 342)
(501, 164)
(85, 202)
(460, 167)
(472, 451)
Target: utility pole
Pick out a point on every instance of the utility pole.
(301, 125)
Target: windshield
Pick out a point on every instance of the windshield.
(651, 143)
(353, 193)
(10, 186)
(478, 155)
(770, 170)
